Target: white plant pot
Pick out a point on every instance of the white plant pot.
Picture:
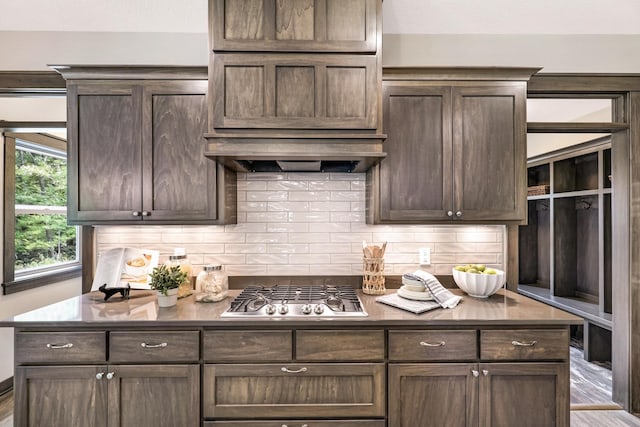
(169, 300)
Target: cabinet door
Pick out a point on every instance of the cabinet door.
(179, 182)
(154, 395)
(434, 394)
(416, 176)
(60, 396)
(524, 394)
(294, 91)
(294, 25)
(294, 390)
(105, 175)
(489, 152)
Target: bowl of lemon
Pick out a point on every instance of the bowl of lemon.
(478, 280)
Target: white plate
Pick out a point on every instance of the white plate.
(418, 296)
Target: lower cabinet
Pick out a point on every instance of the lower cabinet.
(107, 395)
(290, 390)
(484, 395)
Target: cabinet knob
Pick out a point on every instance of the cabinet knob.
(459, 214)
(293, 371)
(160, 345)
(146, 213)
(135, 213)
(523, 344)
(59, 346)
(449, 213)
(110, 375)
(485, 372)
(99, 375)
(428, 344)
(475, 373)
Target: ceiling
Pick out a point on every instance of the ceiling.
(399, 16)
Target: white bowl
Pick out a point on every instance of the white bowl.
(479, 285)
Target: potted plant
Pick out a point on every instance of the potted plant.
(166, 280)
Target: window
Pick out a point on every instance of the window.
(39, 246)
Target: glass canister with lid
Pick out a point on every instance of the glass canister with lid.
(180, 259)
(212, 284)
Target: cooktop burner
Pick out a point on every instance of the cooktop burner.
(296, 301)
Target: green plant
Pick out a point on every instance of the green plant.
(164, 278)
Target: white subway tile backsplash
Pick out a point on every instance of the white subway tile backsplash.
(288, 206)
(329, 206)
(310, 196)
(287, 185)
(310, 223)
(266, 216)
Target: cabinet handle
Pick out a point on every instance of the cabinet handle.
(459, 214)
(475, 373)
(146, 213)
(135, 213)
(449, 213)
(99, 375)
(428, 344)
(485, 372)
(524, 344)
(110, 375)
(145, 345)
(294, 371)
(59, 346)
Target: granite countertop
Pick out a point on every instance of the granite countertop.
(141, 310)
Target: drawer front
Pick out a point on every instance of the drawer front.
(161, 346)
(433, 345)
(250, 346)
(297, 423)
(325, 345)
(64, 347)
(525, 344)
(294, 390)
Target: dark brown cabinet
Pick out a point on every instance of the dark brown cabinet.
(565, 256)
(294, 91)
(532, 390)
(93, 389)
(136, 154)
(323, 374)
(293, 25)
(456, 150)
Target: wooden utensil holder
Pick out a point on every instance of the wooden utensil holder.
(373, 276)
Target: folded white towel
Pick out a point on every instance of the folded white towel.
(440, 294)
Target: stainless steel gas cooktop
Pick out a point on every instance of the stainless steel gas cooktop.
(296, 301)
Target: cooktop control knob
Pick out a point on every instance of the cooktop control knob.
(284, 309)
(307, 309)
(318, 309)
(270, 309)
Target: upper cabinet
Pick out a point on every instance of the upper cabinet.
(136, 154)
(295, 80)
(294, 91)
(456, 147)
(293, 25)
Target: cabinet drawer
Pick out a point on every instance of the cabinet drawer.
(65, 347)
(433, 345)
(161, 346)
(297, 423)
(240, 346)
(339, 345)
(524, 344)
(292, 390)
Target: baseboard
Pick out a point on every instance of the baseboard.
(6, 386)
(595, 407)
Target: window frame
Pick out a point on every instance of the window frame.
(13, 282)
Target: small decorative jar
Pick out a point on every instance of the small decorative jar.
(179, 258)
(212, 284)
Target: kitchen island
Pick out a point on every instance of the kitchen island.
(500, 361)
